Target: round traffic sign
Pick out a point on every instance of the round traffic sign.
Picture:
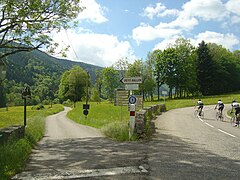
(85, 112)
(132, 99)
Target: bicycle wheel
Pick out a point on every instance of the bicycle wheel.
(221, 117)
(196, 112)
(232, 120)
(217, 116)
(202, 114)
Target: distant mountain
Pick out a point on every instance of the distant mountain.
(25, 67)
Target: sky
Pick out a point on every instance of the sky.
(109, 30)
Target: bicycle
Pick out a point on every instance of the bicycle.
(219, 115)
(235, 120)
(196, 113)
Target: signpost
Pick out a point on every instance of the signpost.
(164, 93)
(132, 120)
(131, 80)
(26, 94)
(131, 83)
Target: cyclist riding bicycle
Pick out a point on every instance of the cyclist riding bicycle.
(200, 107)
(236, 107)
(219, 106)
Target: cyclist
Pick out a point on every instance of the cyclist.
(236, 107)
(219, 106)
(200, 107)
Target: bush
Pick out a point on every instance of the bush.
(117, 130)
(68, 103)
(38, 107)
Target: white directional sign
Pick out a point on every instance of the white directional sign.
(131, 87)
(131, 80)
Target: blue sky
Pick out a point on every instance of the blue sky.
(110, 30)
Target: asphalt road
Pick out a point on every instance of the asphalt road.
(183, 147)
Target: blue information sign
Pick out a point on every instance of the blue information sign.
(132, 99)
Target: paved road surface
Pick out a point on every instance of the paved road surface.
(183, 147)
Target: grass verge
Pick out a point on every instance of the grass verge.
(15, 152)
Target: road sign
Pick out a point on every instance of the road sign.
(132, 99)
(131, 80)
(85, 112)
(86, 106)
(131, 87)
(164, 92)
(121, 97)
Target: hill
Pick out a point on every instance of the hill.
(25, 66)
(41, 72)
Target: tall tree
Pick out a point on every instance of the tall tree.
(205, 69)
(26, 25)
(157, 67)
(110, 81)
(186, 80)
(74, 84)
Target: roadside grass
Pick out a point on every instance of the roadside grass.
(99, 114)
(15, 152)
(188, 102)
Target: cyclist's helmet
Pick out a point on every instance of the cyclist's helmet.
(234, 101)
(219, 100)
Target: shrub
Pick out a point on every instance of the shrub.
(117, 130)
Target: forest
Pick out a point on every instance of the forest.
(182, 69)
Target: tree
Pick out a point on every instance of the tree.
(158, 68)
(186, 80)
(26, 25)
(226, 66)
(110, 81)
(121, 65)
(74, 84)
(205, 69)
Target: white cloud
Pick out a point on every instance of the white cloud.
(165, 43)
(159, 11)
(98, 49)
(233, 6)
(148, 33)
(151, 11)
(205, 9)
(226, 40)
(93, 12)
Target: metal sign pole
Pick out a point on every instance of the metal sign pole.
(25, 112)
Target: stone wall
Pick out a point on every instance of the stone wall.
(144, 118)
(11, 132)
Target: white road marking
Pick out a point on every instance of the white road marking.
(75, 174)
(226, 133)
(214, 127)
(200, 118)
(209, 124)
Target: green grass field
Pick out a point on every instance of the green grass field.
(14, 115)
(99, 114)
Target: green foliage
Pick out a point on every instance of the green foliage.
(117, 130)
(39, 70)
(25, 26)
(205, 69)
(110, 81)
(73, 84)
